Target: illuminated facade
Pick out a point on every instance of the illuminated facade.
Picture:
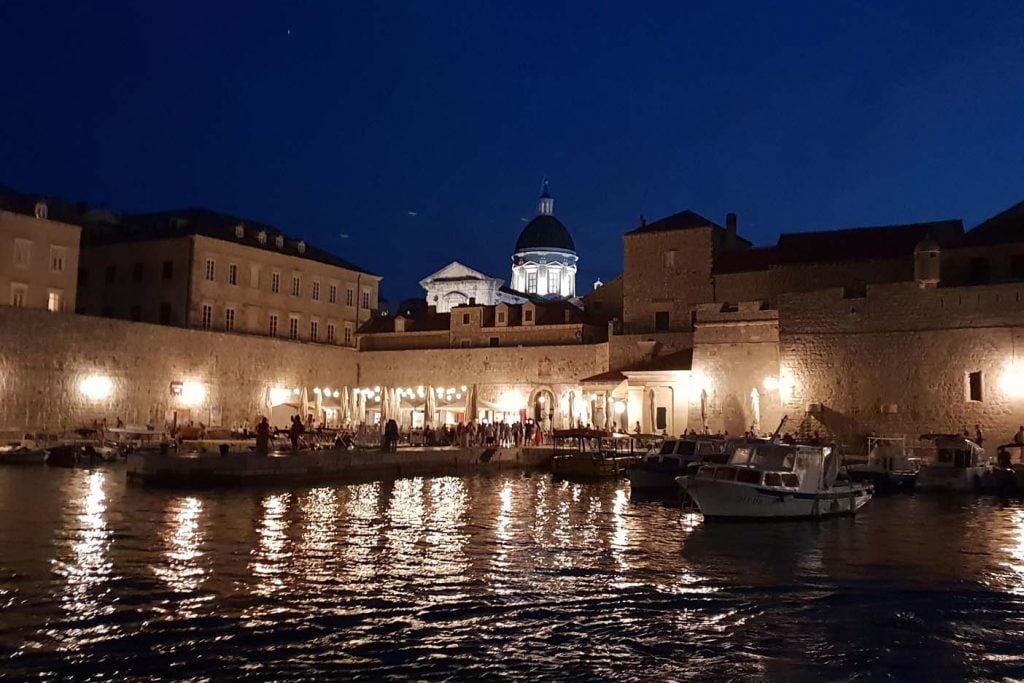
(544, 262)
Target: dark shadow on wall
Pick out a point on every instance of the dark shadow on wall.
(734, 418)
(832, 424)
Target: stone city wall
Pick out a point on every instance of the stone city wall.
(44, 358)
(897, 362)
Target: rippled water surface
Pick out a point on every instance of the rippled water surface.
(505, 576)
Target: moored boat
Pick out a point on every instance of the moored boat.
(767, 479)
(959, 465)
(591, 454)
(671, 459)
(888, 467)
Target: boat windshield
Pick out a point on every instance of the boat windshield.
(773, 457)
(668, 447)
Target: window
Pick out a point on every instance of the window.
(316, 290)
(501, 316)
(22, 253)
(660, 417)
(531, 283)
(661, 321)
(980, 272)
(528, 315)
(349, 297)
(135, 313)
(331, 339)
(165, 313)
(296, 285)
(111, 274)
(207, 321)
(332, 294)
(314, 330)
(275, 283)
(1017, 265)
(495, 341)
(273, 325)
(348, 336)
(465, 318)
(293, 328)
(553, 287)
(19, 294)
(668, 259)
(211, 269)
(254, 275)
(975, 386)
(232, 274)
(366, 299)
(168, 270)
(57, 256)
(137, 272)
(229, 319)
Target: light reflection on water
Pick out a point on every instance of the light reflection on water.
(513, 576)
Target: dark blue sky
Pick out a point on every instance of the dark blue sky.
(341, 118)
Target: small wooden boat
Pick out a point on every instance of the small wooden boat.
(592, 454)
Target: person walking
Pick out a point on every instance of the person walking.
(295, 431)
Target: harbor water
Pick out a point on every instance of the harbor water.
(509, 576)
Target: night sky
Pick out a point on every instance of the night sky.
(405, 135)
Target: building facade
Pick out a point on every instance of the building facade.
(38, 260)
(457, 285)
(544, 262)
(205, 270)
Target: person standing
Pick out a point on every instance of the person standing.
(1018, 438)
(262, 437)
(295, 431)
(979, 438)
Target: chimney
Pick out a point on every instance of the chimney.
(730, 230)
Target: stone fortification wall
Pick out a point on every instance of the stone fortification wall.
(899, 360)
(734, 353)
(45, 357)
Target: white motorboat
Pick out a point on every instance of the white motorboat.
(18, 448)
(671, 459)
(767, 479)
(888, 466)
(959, 465)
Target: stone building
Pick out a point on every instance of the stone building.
(38, 259)
(207, 270)
(457, 284)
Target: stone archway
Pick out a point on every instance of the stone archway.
(542, 407)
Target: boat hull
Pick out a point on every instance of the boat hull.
(883, 481)
(957, 479)
(586, 466)
(721, 500)
(645, 478)
(35, 456)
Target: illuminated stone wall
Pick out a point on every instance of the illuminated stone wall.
(44, 358)
(896, 362)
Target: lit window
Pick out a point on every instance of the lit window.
(229, 319)
(275, 283)
(332, 294)
(232, 274)
(22, 253)
(54, 301)
(668, 259)
(57, 256)
(273, 324)
(316, 290)
(293, 328)
(19, 294)
(211, 269)
(531, 283)
(296, 285)
(314, 330)
(207, 321)
(330, 334)
(553, 287)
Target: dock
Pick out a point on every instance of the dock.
(152, 468)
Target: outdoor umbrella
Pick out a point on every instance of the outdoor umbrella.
(755, 411)
(471, 404)
(344, 406)
(429, 407)
(572, 409)
(384, 415)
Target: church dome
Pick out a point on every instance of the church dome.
(545, 232)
